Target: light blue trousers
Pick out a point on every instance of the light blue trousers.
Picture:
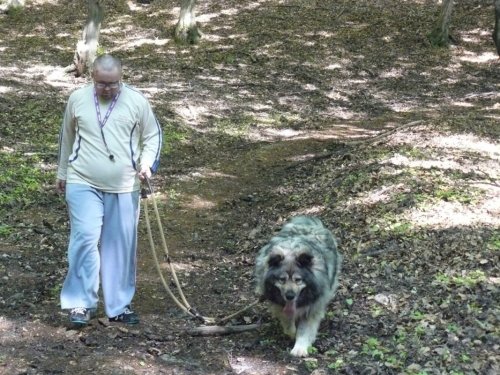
(103, 241)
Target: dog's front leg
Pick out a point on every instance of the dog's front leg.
(288, 326)
(306, 334)
(287, 323)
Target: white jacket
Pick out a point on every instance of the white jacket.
(132, 135)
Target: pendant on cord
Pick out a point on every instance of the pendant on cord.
(102, 122)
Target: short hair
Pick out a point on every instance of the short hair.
(107, 62)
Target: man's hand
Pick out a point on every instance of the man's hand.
(144, 173)
(61, 186)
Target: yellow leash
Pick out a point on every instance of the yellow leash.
(183, 303)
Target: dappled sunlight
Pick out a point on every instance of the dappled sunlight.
(6, 326)
(393, 73)
(17, 335)
(33, 332)
(254, 365)
(160, 13)
(334, 66)
(443, 214)
(312, 211)
(474, 36)
(467, 142)
(444, 164)
(402, 107)
(131, 44)
(383, 194)
(309, 87)
(54, 76)
(150, 92)
(214, 37)
(459, 153)
(135, 37)
(195, 202)
(190, 113)
(445, 207)
(178, 267)
(478, 58)
(5, 89)
(340, 131)
(462, 104)
(137, 7)
(207, 17)
(203, 174)
(43, 2)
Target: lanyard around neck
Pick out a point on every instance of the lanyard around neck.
(102, 122)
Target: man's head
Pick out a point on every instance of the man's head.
(107, 73)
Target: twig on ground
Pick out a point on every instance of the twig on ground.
(221, 330)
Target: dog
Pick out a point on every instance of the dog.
(297, 273)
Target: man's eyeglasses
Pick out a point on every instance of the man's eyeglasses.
(111, 85)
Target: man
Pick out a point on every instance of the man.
(110, 140)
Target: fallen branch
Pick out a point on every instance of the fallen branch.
(384, 134)
(221, 330)
(357, 141)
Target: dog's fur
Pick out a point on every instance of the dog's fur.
(297, 273)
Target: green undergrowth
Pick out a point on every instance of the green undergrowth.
(28, 151)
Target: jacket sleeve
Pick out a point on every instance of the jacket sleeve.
(66, 140)
(151, 139)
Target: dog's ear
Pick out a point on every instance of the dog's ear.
(275, 260)
(304, 260)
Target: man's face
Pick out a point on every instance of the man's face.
(107, 83)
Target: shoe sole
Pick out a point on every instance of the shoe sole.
(122, 322)
(79, 323)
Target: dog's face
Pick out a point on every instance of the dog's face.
(289, 281)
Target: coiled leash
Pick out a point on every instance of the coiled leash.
(146, 192)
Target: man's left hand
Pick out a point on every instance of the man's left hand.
(144, 173)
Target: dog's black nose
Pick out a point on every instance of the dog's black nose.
(290, 295)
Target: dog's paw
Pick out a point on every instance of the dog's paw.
(299, 351)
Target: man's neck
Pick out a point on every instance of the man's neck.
(104, 100)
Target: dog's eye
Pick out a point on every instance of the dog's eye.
(298, 280)
(282, 279)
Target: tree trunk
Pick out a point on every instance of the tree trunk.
(496, 32)
(86, 48)
(186, 31)
(11, 4)
(15, 3)
(440, 35)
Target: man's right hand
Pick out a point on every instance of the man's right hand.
(61, 186)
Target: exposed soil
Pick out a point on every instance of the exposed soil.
(285, 108)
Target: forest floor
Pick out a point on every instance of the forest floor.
(336, 109)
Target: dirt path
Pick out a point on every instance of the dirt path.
(215, 208)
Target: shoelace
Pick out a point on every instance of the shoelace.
(79, 310)
(127, 311)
